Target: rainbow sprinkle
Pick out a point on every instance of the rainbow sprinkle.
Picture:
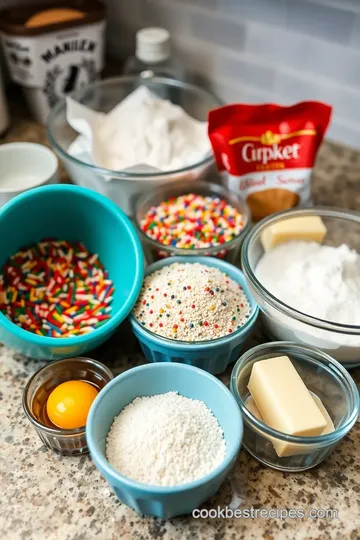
(56, 288)
(193, 221)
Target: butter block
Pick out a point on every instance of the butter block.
(284, 449)
(282, 398)
(306, 228)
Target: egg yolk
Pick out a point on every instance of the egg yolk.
(69, 403)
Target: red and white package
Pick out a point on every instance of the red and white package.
(266, 152)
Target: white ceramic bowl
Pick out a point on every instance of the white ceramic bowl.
(24, 166)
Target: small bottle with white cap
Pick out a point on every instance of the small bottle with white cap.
(153, 56)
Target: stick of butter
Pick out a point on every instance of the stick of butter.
(282, 398)
(307, 228)
(284, 449)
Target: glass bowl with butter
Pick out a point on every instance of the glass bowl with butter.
(326, 414)
(319, 303)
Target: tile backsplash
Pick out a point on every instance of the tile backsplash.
(256, 50)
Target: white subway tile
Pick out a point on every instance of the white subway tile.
(173, 16)
(345, 133)
(339, 63)
(355, 36)
(207, 4)
(348, 5)
(199, 58)
(278, 46)
(347, 105)
(217, 30)
(242, 49)
(271, 11)
(320, 21)
(232, 91)
(291, 87)
(246, 69)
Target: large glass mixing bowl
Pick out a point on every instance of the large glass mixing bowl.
(123, 187)
(283, 322)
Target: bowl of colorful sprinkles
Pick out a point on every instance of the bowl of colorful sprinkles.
(192, 220)
(71, 268)
(196, 311)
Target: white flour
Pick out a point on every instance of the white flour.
(321, 281)
(143, 130)
(165, 440)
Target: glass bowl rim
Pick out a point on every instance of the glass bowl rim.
(266, 296)
(249, 418)
(125, 175)
(213, 189)
(59, 431)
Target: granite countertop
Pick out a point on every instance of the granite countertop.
(45, 496)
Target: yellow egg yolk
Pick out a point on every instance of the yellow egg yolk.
(69, 403)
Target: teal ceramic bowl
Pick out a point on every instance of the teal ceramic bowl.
(213, 356)
(72, 213)
(148, 380)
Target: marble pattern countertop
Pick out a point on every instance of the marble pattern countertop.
(44, 496)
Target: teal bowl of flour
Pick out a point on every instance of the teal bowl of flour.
(151, 379)
(72, 213)
(214, 355)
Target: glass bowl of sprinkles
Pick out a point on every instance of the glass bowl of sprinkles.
(71, 268)
(201, 219)
(196, 311)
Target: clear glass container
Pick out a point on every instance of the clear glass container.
(283, 322)
(67, 442)
(125, 186)
(325, 378)
(228, 251)
(153, 56)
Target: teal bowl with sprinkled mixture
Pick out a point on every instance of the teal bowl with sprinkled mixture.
(72, 213)
(213, 355)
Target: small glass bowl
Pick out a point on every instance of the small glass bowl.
(324, 377)
(67, 442)
(155, 251)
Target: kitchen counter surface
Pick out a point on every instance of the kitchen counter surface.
(44, 496)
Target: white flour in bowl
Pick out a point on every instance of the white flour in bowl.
(321, 281)
(165, 440)
(143, 130)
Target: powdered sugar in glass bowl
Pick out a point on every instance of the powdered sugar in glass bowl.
(282, 322)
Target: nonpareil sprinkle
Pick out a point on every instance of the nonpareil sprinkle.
(193, 221)
(56, 288)
(203, 316)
